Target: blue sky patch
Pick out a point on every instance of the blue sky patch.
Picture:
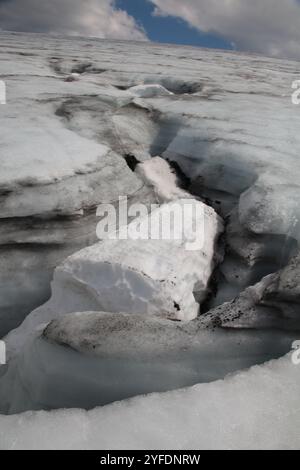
(169, 29)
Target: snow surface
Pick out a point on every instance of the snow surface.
(149, 91)
(254, 409)
(158, 174)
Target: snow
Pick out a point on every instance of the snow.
(254, 409)
(158, 174)
(149, 91)
(55, 160)
(54, 170)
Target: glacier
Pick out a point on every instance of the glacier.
(87, 359)
(88, 121)
(256, 409)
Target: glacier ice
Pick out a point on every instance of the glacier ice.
(136, 275)
(253, 409)
(272, 303)
(226, 123)
(157, 173)
(149, 91)
(82, 360)
(229, 124)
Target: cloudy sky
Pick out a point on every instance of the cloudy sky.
(270, 27)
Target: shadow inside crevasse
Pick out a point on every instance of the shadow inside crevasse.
(49, 376)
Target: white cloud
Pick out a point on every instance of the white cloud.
(267, 26)
(98, 18)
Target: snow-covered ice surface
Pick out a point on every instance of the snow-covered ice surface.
(149, 91)
(255, 409)
(76, 108)
(157, 174)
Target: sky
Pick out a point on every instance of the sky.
(270, 27)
